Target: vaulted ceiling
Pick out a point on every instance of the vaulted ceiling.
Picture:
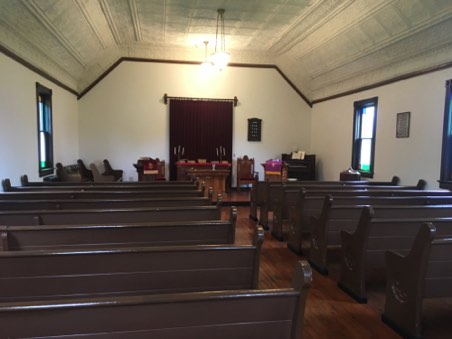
(324, 47)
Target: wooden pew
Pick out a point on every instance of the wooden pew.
(112, 216)
(425, 272)
(65, 274)
(72, 237)
(394, 229)
(275, 196)
(238, 314)
(25, 182)
(257, 194)
(65, 204)
(104, 186)
(105, 195)
(344, 212)
(310, 203)
(256, 197)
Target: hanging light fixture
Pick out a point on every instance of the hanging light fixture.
(220, 58)
(206, 63)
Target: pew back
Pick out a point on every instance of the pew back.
(274, 194)
(104, 186)
(239, 314)
(25, 182)
(76, 237)
(334, 219)
(66, 204)
(109, 216)
(311, 206)
(47, 274)
(120, 194)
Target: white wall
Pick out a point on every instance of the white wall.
(124, 117)
(18, 128)
(413, 158)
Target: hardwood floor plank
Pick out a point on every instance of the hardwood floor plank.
(330, 313)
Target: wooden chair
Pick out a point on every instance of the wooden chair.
(160, 170)
(117, 174)
(245, 171)
(85, 173)
(100, 177)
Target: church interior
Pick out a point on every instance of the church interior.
(242, 106)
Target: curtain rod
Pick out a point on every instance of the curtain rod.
(166, 97)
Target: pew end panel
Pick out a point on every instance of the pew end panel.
(425, 272)
(301, 221)
(238, 314)
(390, 229)
(6, 185)
(318, 248)
(295, 221)
(421, 184)
(352, 276)
(288, 197)
(326, 231)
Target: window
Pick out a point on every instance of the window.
(446, 154)
(45, 142)
(364, 123)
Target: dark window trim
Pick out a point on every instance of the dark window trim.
(356, 147)
(445, 180)
(46, 93)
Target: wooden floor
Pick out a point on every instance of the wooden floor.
(331, 313)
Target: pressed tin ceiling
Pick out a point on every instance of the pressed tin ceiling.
(324, 47)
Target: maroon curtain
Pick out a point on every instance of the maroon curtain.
(199, 128)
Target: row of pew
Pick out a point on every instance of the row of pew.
(404, 230)
(135, 260)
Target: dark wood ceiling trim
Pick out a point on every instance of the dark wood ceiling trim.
(291, 84)
(386, 82)
(112, 67)
(40, 72)
(36, 70)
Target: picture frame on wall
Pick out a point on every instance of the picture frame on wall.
(403, 125)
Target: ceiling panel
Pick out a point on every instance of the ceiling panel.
(324, 47)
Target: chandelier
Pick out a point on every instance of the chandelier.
(220, 58)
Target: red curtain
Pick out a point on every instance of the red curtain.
(199, 128)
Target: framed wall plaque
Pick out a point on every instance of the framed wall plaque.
(403, 125)
(254, 129)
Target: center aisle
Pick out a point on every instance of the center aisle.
(330, 313)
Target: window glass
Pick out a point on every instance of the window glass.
(364, 136)
(45, 143)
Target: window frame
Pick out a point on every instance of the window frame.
(445, 180)
(44, 94)
(357, 139)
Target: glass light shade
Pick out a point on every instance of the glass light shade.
(220, 60)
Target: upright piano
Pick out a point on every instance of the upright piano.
(300, 169)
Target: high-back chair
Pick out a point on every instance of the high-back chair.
(245, 171)
(116, 173)
(100, 177)
(160, 170)
(85, 173)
